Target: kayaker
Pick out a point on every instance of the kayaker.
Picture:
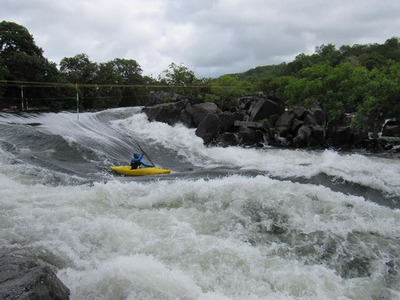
(136, 161)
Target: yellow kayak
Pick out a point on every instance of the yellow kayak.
(126, 170)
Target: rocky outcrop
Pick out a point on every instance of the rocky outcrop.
(169, 113)
(391, 128)
(260, 120)
(160, 97)
(209, 128)
(21, 278)
(264, 109)
(193, 115)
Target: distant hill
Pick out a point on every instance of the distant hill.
(253, 75)
(370, 56)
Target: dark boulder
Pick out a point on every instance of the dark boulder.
(299, 112)
(226, 139)
(169, 113)
(209, 128)
(284, 123)
(264, 109)
(228, 120)
(316, 138)
(346, 138)
(159, 97)
(195, 114)
(343, 137)
(391, 128)
(246, 102)
(309, 136)
(250, 137)
(21, 278)
(296, 124)
(314, 116)
(302, 137)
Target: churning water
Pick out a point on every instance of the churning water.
(227, 223)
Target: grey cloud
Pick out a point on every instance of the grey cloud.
(212, 37)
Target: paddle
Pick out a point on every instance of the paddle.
(141, 149)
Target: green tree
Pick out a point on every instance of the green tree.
(22, 60)
(106, 77)
(130, 73)
(3, 76)
(273, 85)
(382, 99)
(323, 85)
(15, 38)
(80, 70)
(227, 90)
(179, 76)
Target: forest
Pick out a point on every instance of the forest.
(363, 80)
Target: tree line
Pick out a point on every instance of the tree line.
(363, 80)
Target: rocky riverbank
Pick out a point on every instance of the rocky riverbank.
(24, 278)
(261, 120)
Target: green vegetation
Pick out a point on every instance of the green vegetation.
(363, 80)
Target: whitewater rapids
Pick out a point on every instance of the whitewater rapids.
(227, 223)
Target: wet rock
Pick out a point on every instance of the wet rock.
(197, 112)
(391, 129)
(343, 137)
(226, 139)
(299, 112)
(314, 116)
(228, 120)
(284, 122)
(21, 278)
(169, 113)
(316, 138)
(209, 128)
(264, 109)
(302, 138)
(250, 137)
(159, 97)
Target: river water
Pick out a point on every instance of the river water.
(227, 223)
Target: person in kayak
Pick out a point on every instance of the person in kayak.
(136, 161)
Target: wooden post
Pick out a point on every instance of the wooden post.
(77, 100)
(22, 98)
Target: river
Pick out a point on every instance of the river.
(227, 223)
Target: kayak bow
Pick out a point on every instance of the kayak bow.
(126, 170)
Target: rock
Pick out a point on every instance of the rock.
(250, 137)
(316, 139)
(391, 130)
(248, 124)
(299, 112)
(302, 137)
(21, 278)
(314, 116)
(309, 136)
(209, 128)
(246, 102)
(226, 139)
(159, 97)
(296, 124)
(198, 112)
(228, 120)
(264, 109)
(284, 122)
(169, 113)
(343, 137)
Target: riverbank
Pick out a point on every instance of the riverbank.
(261, 120)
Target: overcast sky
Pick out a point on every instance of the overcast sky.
(210, 37)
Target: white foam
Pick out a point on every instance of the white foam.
(188, 239)
(378, 173)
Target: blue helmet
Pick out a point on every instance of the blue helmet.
(136, 155)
